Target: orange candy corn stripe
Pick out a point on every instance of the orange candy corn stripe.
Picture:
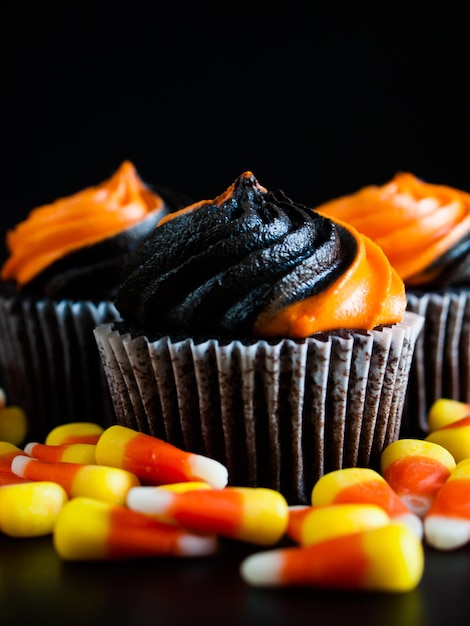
(455, 437)
(66, 452)
(388, 559)
(88, 529)
(447, 523)
(297, 515)
(356, 485)
(255, 515)
(155, 461)
(454, 496)
(416, 470)
(110, 484)
(444, 411)
(8, 478)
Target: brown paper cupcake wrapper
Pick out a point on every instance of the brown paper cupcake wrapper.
(278, 415)
(441, 365)
(50, 363)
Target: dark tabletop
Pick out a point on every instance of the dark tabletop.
(36, 584)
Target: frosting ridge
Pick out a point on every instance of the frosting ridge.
(62, 244)
(423, 228)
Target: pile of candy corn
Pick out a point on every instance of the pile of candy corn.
(115, 493)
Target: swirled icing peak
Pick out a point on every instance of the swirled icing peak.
(423, 228)
(252, 263)
(75, 246)
(54, 230)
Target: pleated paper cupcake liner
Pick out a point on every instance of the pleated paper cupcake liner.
(50, 365)
(277, 414)
(441, 365)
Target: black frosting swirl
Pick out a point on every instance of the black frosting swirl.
(212, 270)
(451, 269)
(93, 272)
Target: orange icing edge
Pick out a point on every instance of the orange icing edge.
(414, 222)
(91, 215)
(368, 294)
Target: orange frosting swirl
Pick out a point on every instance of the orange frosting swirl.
(423, 228)
(368, 294)
(55, 230)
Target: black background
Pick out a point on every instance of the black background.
(316, 98)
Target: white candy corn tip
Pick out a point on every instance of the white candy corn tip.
(194, 545)
(445, 533)
(150, 500)
(413, 522)
(19, 464)
(417, 504)
(262, 569)
(29, 447)
(209, 470)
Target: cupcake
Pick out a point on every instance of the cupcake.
(263, 335)
(58, 282)
(424, 229)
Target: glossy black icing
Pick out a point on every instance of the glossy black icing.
(214, 269)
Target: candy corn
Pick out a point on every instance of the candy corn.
(190, 485)
(74, 432)
(30, 509)
(389, 558)
(110, 484)
(297, 515)
(444, 411)
(89, 529)
(362, 530)
(455, 437)
(416, 470)
(13, 424)
(324, 522)
(155, 461)
(447, 523)
(66, 452)
(255, 515)
(364, 485)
